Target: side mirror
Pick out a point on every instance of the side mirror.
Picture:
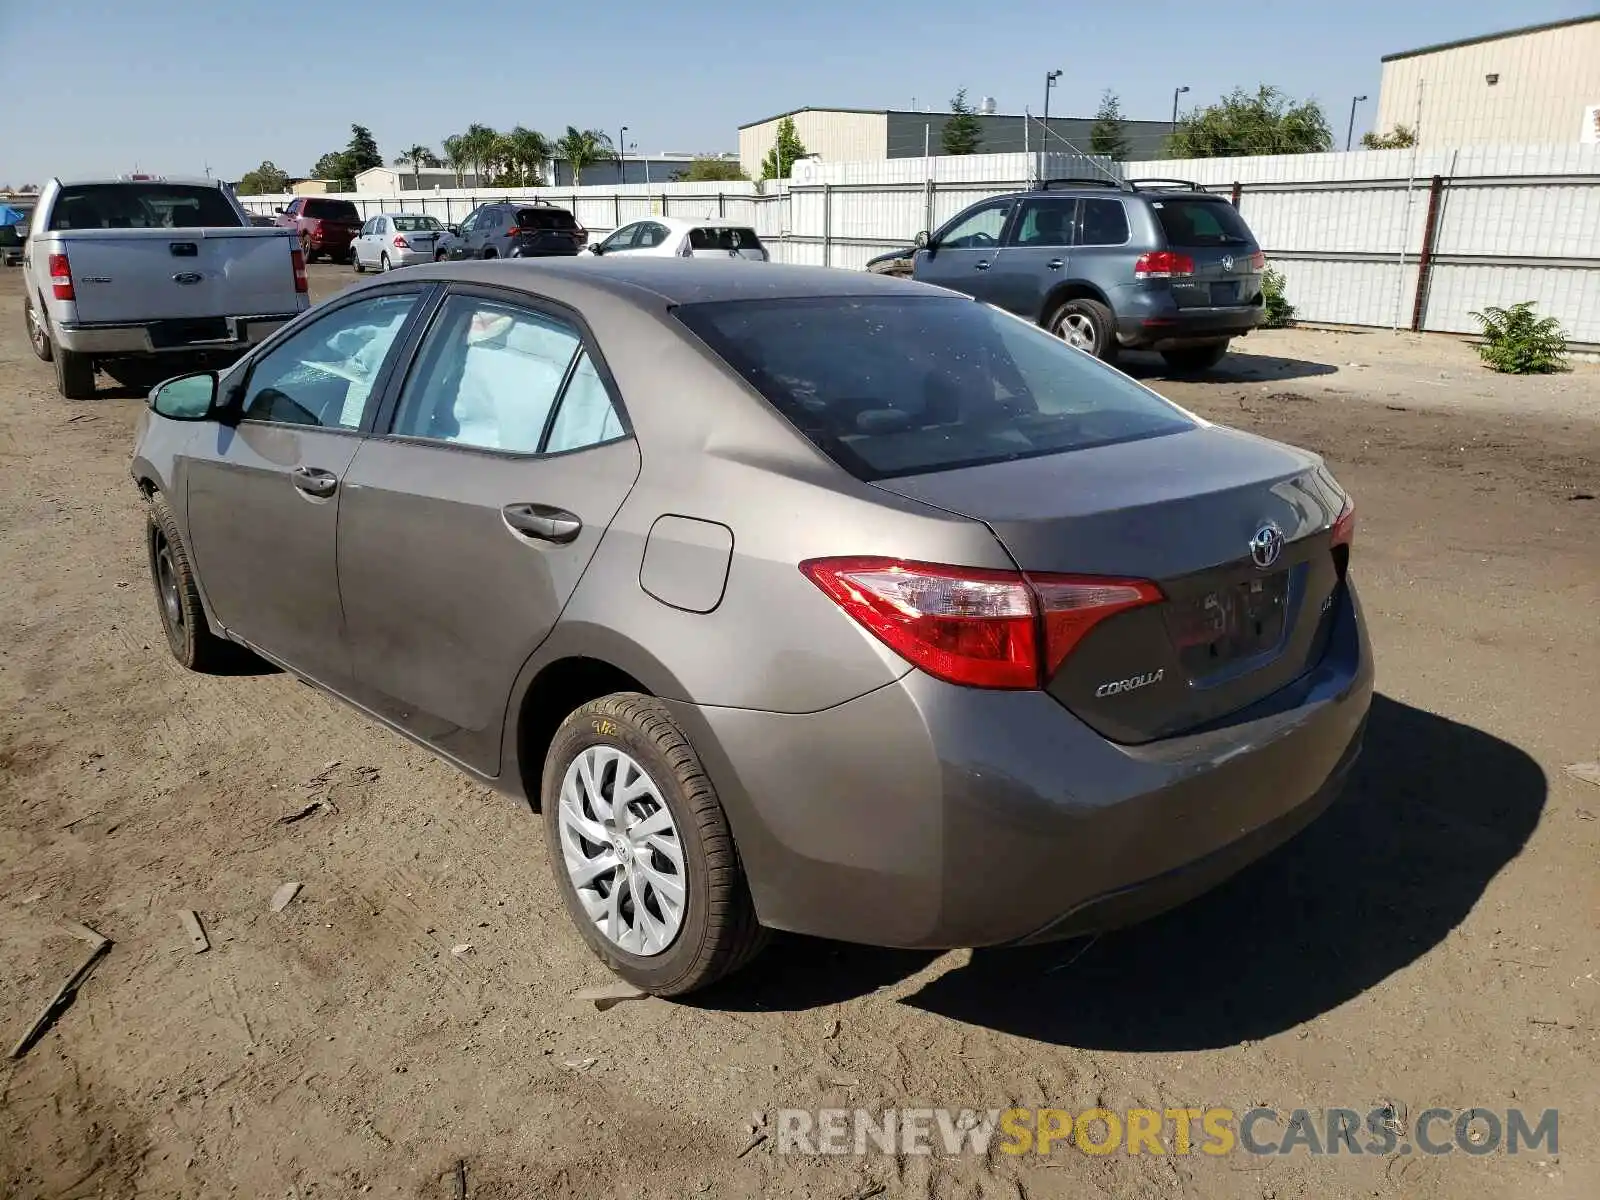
(186, 398)
(278, 210)
(455, 230)
(921, 241)
(595, 249)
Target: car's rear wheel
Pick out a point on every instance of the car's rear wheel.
(439, 256)
(1088, 325)
(178, 598)
(38, 334)
(1195, 358)
(641, 849)
(74, 374)
(383, 261)
(306, 251)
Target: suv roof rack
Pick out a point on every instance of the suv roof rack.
(1155, 184)
(1045, 185)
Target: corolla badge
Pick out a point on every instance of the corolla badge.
(1266, 545)
(1117, 687)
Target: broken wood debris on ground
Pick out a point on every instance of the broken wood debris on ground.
(281, 897)
(198, 941)
(67, 992)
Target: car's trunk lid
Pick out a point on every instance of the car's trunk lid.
(1212, 234)
(1183, 511)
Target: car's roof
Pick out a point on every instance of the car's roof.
(685, 224)
(184, 180)
(401, 212)
(661, 282)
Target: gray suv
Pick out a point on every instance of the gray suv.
(517, 229)
(1109, 265)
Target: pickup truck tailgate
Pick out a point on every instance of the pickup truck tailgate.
(164, 274)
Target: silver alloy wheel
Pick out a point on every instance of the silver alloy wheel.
(1076, 329)
(622, 851)
(383, 261)
(36, 329)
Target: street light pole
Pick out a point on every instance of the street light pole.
(1049, 82)
(622, 153)
(1176, 92)
(1350, 133)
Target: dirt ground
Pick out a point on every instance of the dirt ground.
(1431, 941)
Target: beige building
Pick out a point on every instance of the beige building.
(1534, 86)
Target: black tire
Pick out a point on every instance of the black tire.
(719, 933)
(305, 250)
(355, 261)
(74, 375)
(1188, 359)
(178, 599)
(38, 336)
(490, 254)
(1094, 324)
(383, 263)
(439, 256)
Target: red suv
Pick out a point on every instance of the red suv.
(325, 226)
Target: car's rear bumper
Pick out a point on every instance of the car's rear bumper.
(136, 340)
(1151, 320)
(928, 815)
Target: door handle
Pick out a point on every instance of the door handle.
(313, 482)
(542, 522)
(981, 266)
(1055, 264)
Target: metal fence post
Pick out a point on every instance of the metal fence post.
(927, 204)
(827, 224)
(1238, 192)
(1430, 230)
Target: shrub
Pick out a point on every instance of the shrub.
(1280, 313)
(1516, 341)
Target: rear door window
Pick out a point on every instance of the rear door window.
(545, 218)
(889, 386)
(1103, 223)
(1045, 223)
(1201, 222)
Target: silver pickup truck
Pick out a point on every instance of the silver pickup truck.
(149, 277)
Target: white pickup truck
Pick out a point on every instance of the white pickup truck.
(152, 277)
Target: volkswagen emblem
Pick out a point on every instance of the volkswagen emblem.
(1266, 545)
(1227, 262)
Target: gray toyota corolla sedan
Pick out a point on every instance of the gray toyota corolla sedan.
(794, 598)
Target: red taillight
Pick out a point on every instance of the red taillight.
(400, 242)
(1258, 261)
(60, 277)
(975, 627)
(301, 283)
(1163, 264)
(1344, 528)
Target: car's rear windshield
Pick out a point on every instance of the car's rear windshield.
(142, 206)
(332, 210)
(408, 224)
(1202, 223)
(723, 237)
(545, 218)
(902, 385)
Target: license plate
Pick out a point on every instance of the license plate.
(1223, 294)
(1230, 622)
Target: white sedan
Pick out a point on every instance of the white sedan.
(675, 237)
(398, 239)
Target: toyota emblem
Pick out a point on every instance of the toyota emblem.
(1266, 545)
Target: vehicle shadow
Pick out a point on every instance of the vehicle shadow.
(1433, 810)
(1235, 368)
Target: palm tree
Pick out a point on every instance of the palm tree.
(480, 140)
(529, 151)
(583, 148)
(455, 153)
(417, 157)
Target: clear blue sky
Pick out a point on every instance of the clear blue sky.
(99, 85)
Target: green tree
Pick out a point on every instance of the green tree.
(583, 148)
(455, 153)
(1401, 137)
(526, 152)
(479, 142)
(962, 131)
(265, 180)
(1108, 135)
(332, 167)
(785, 152)
(416, 158)
(1242, 123)
(708, 169)
(362, 152)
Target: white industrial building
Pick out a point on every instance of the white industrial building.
(1539, 85)
(391, 181)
